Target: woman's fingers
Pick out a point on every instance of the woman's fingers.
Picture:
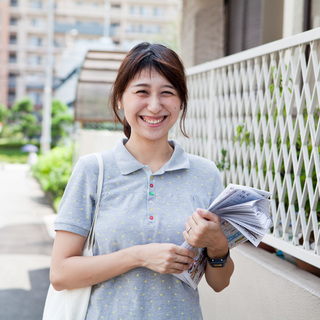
(168, 258)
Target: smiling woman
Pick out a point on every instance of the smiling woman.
(150, 58)
(151, 194)
(151, 107)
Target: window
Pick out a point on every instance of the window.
(132, 10)
(12, 76)
(12, 80)
(34, 60)
(35, 41)
(13, 39)
(143, 11)
(12, 57)
(13, 21)
(13, 3)
(11, 97)
(35, 97)
(39, 23)
(156, 28)
(142, 28)
(132, 28)
(36, 4)
(34, 77)
(157, 11)
(58, 43)
(115, 6)
(114, 27)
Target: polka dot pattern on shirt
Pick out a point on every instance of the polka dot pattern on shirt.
(139, 207)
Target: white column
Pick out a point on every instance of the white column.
(292, 17)
(46, 120)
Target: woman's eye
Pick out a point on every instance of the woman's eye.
(167, 92)
(142, 91)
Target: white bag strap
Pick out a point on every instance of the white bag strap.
(90, 239)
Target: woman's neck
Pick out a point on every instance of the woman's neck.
(154, 154)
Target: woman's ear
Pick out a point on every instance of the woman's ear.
(119, 105)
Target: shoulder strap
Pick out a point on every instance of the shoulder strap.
(90, 238)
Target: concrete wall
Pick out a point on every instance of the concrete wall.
(272, 20)
(89, 141)
(202, 31)
(263, 287)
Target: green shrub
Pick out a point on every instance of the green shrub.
(53, 171)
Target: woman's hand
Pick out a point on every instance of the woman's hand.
(203, 229)
(164, 257)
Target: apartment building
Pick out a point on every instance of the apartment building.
(24, 31)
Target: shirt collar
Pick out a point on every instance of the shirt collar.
(128, 164)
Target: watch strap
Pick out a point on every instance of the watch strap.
(217, 262)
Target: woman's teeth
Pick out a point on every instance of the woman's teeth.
(153, 121)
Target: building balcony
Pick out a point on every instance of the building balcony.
(146, 18)
(35, 86)
(84, 29)
(36, 49)
(37, 30)
(25, 11)
(82, 12)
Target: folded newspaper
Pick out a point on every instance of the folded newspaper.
(244, 214)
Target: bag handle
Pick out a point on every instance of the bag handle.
(90, 238)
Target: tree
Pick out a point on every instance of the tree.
(24, 119)
(3, 117)
(61, 120)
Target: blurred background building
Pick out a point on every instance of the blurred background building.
(200, 30)
(24, 27)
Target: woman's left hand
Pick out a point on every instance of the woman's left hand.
(203, 229)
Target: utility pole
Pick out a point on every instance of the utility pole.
(106, 29)
(46, 118)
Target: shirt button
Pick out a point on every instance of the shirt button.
(151, 217)
(151, 193)
(151, 185)
(151, 177)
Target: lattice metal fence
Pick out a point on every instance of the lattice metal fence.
(256, 114)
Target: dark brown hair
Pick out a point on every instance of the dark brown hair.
(150, 56)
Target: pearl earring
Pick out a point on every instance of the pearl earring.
(119, 107)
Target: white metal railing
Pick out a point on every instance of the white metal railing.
(257, 115)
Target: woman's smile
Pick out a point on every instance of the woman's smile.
(153, 120)
(151, 106)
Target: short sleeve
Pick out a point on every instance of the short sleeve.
(218, 185)
(78, 201)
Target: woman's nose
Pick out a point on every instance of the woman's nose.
(154, 104)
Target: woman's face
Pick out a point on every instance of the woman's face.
(151, 105)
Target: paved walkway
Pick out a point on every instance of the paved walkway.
(25, 244)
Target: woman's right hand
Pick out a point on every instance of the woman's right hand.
(70, 270)
(164, 257)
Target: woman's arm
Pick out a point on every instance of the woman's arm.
(206, 232)
(69, 269)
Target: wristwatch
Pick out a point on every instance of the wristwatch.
(219, 262)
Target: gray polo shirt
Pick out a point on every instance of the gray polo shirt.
(139, 207)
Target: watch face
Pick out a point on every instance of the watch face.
(217, 263)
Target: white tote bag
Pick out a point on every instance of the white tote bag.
(73, 304)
